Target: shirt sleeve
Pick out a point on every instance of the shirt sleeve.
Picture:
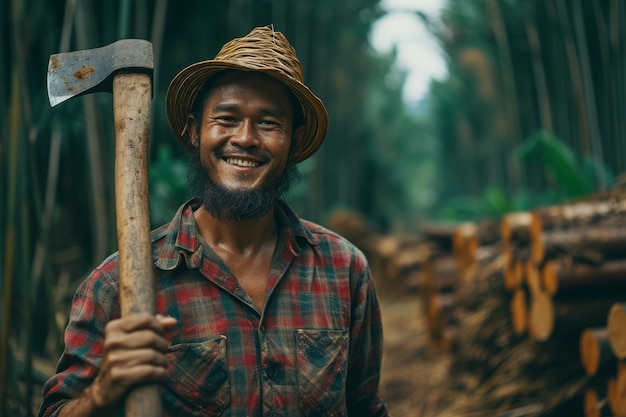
(95, 302)
(366, 346)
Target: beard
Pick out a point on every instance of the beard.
(225, 204)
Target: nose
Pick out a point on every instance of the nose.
(246, 135)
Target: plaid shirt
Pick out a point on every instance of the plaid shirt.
(315, 350)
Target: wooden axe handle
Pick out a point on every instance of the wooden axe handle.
(132, 93)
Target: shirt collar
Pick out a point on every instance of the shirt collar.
(181, 238)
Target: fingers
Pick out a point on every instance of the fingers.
(138, 321)
(134, 352)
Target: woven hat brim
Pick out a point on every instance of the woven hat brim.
(184, 87)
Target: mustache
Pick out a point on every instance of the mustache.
(240, 152)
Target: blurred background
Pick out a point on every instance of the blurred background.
(441, 112)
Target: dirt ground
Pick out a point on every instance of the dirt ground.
(412, 377)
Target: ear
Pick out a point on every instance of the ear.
(192, 130)
(299, 133)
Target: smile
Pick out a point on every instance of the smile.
(242, 162)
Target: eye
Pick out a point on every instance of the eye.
(226, 119)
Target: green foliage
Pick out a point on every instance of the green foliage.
(571, 179)
(168, 185)
(559, 160)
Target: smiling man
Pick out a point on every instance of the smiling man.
(260, 313)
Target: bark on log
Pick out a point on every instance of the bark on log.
(408, 259)
(595, 349)
(616, 328)
(558, 277)
(577, 214)
(589, 242)
(439, 233)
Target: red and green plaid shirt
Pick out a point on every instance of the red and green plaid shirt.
(315, 350)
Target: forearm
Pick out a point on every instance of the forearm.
(86, 406)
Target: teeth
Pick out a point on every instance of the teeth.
(242, 162)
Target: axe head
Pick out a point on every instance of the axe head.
(72, 74)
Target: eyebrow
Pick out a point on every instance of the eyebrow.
(270, 111)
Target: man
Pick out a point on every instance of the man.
(260, 313)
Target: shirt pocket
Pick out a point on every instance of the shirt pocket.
(321, 360)
(198, 382)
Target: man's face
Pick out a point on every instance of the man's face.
(244, 139)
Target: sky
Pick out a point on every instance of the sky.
(418, 52)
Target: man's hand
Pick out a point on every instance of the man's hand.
(133, 353)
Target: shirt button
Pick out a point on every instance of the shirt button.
(270, 371)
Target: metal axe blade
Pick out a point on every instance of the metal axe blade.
(72, 74)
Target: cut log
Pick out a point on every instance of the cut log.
(540, 317)
(549, 277)
(565, 318)
(595, 349)
(620, 392)
(519, 227)
(531, 277)
(590, 242)
(580, 213)
(616, 327)
(440, 233)
(611, 395)
(519, 311)
(408, 259)
(439, 314)
(595, 403)
(513, 275)
(463, 235)
(558, 277)
(445, 273)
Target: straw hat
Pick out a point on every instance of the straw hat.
(262, 50)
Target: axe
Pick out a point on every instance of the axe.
(125, 69)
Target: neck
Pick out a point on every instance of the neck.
(236, 236)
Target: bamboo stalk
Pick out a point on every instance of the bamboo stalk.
(589, 93)
(11, 236)
(94, 142)
(541, 89)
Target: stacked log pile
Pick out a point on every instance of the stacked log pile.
(540, 321)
